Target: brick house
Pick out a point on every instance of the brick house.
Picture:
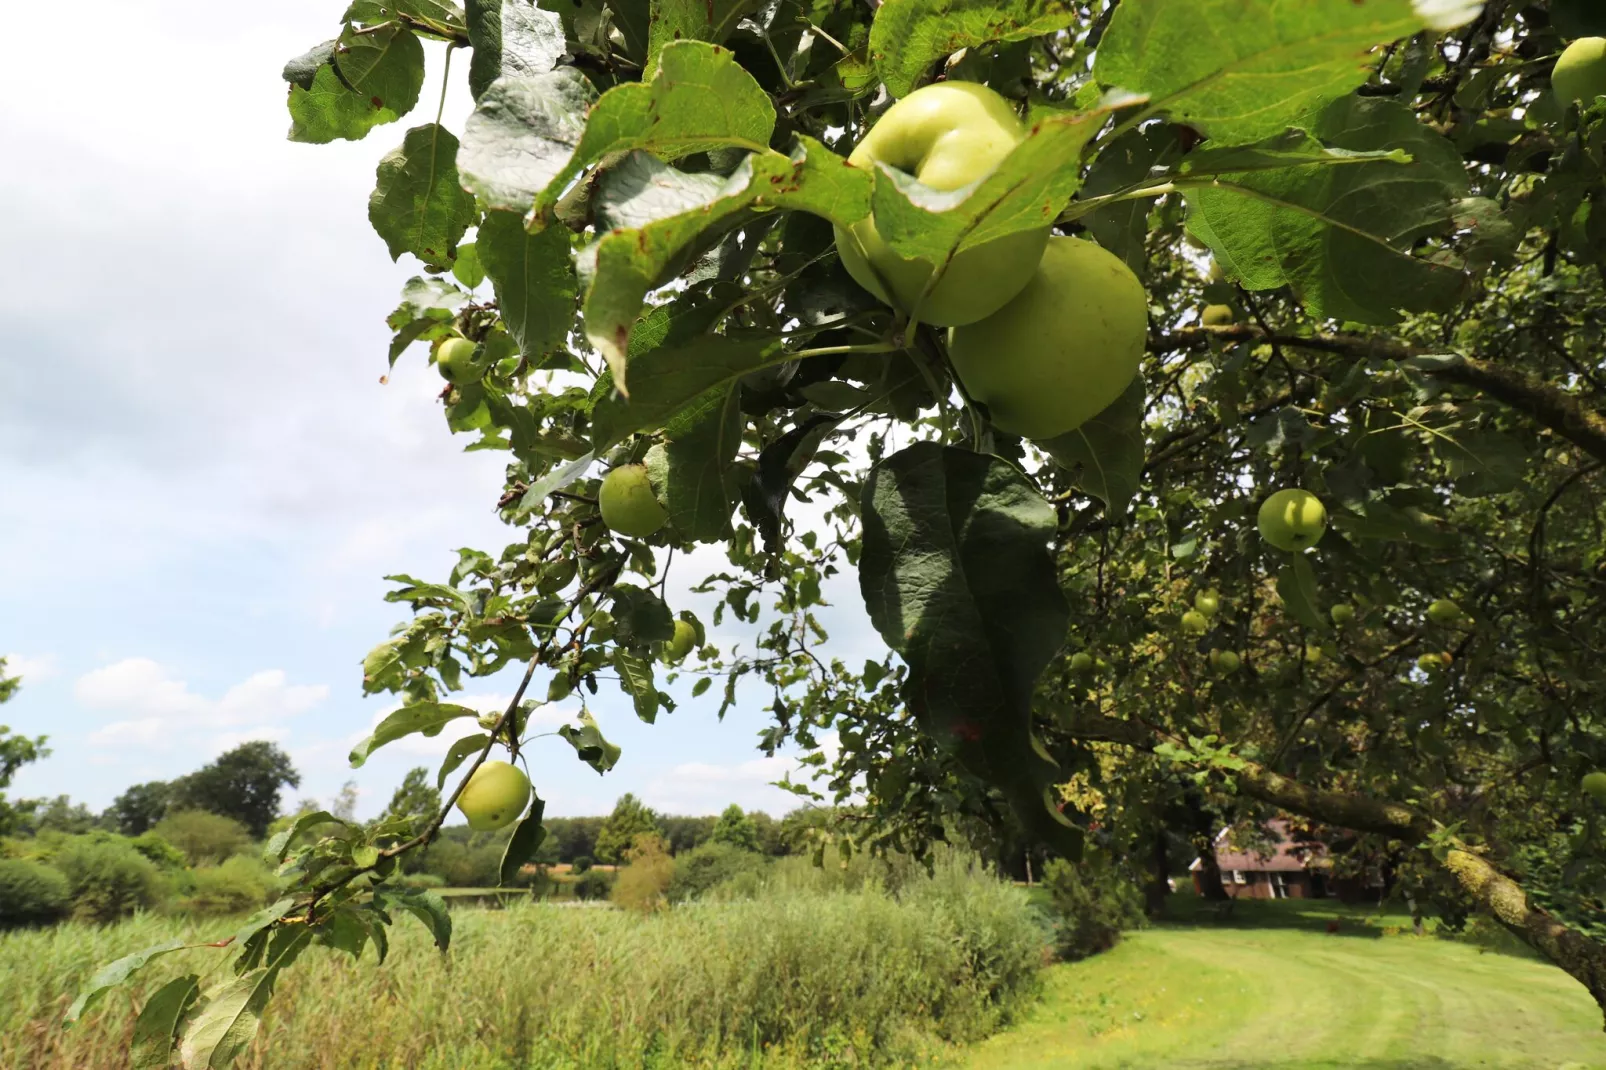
(1282, 870)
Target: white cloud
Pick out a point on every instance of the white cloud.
(31, 669)
(706, 787)
(165, 710)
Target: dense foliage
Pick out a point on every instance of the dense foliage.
(1399, 228)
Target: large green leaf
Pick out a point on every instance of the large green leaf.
(1105, 455)
(699, 98)
(908, 36)
(370, 78)
(1026, 191)
(522, 133)
(423, 904)
(512, 37)
(533, 276)
(115, 973)
(958, 577)
(635, 680)
(159, 1021)
(422, 718)
(668, 379)
(1241, 70)
(226, 1019)
(590, 745)
(1342, 237)
(417, 205)
(692, 470)
(659, 213)
(527, 838)
(692, 20)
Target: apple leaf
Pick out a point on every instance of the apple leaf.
(512, 37)
(159, 1022)
(1481, 462)
(1121, 165)
(527, 838)
(1105, 455)
(1342, 237)
(1296, 586)
(521, 134)
(640, 618)
(692, 20)
(457, 754)
(422, 904)
(1241, 70)
(1027, 190)
(115, 973)
(278, 845)
(692, 470)
(422, 718)
(699, 98)
(227, 1017)
(908, 36)
(635, 680)
(670, 378)
(557, 479)
(779, 464)
(658, 213)
(533, 277)
(369, 79)
(589, 744)
(958, 577)
(417, 205)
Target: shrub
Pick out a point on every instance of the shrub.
(644, 883)
(31, 894)
(205, 838)
(1093, 903)
(702, 869)
(107, 878)
(159, 851)
(423, 880)
(593, 884)
(241, 884)
(580, 864)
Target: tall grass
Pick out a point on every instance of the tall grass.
(801, 976)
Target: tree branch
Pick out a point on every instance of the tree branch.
(1547, 405)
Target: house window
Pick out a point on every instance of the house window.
(1279, 886)
(1238, 876)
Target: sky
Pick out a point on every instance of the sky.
(203, 478)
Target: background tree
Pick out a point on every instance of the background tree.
(344, 804)
(139, 807)
(243, 784)
(15, 752)
(205, 838)
(630, 819)
(735, 828)
(414, 797)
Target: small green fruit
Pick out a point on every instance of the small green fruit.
(682, 643)
(494, 796)
(1444, 611)
(1225, 661)
(1195, 623)
(1580, 73)
(456, 361)
(1314, 653)
(1595, 784)
(1218, 316)
(1292, 519)
(1081, 662)
(1208, 602)
(1342, 614)
(628, 503)
(1431, 663)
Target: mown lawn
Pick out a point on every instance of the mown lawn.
(1269, 988)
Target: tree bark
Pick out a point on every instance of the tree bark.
(1159, 886)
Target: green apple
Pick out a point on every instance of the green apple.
(1195, 623)
(1081, 662)
(1218, 316)
(456, 359)
(628, 503)
(1292, 519)
(1595, 784)
(1444, 612)
(1342, 613)
(1314, 653)
(494, 796)
(1431, 663)
(1225, 660)
(1208, 602)
(682, 643)
(1580, 73)
(946, 135)
(1063, 350)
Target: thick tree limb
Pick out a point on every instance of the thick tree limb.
(1547, 405)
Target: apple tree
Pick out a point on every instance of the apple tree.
(794, 278)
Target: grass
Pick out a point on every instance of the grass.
(1270, 989)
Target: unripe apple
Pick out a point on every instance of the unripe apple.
(1433, 662)
(455, 359)
(494, 796)
(1218, 316)
(682, 643)
(1292, 519)
(1208, 602)
(628, 504)
(1314, 653)
(1195, 623)
(1580, 73)
(1081, 662)
(1595, 784)
(946, 135)
(1063, 350)
(1225, 661)
(1444, 612)
(1342, 613)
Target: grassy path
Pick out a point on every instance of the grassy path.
(1289, 999)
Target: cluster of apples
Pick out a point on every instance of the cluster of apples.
(1046, 331)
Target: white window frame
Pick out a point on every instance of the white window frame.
(1238, 876)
